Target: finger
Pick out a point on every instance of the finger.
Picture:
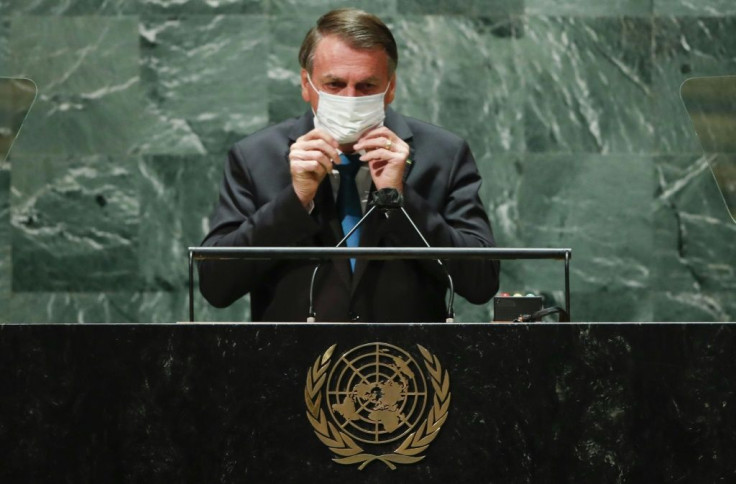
(380, 154)
(390, 143)
(311, 155)
(398, 152)
(317, 144)
(316, 156)
(314, 141)
(374, 143)
(307, 167)
(307, 171)
(319, 134)
(381, 131)
(377, 132)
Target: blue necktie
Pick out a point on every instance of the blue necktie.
(348, 200)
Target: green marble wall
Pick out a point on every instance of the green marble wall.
(570, 106)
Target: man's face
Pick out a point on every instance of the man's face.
(341, 70)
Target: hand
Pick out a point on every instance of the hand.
(310, 159)
(386, 155)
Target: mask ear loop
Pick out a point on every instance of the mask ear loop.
(309, 79)
(388, 86)
(319, 93)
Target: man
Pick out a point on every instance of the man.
(288, 185)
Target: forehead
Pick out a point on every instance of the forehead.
(335, 58)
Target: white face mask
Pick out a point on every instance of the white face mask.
(345, 118)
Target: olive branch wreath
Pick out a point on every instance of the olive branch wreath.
(408, 452)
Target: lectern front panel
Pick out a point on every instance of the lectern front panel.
(367, 403)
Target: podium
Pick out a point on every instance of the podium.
(319, 255)
(230, 403)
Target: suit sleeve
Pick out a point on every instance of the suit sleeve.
(243, 218)
(455, 219)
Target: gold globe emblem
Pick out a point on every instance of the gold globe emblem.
(376, 393)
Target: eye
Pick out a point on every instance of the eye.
(334, 85)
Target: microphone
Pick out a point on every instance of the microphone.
(312, 315)
(450, 316)
(386, 199)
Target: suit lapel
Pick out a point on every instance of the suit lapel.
(303, 125)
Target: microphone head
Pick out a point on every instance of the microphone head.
(388, 198)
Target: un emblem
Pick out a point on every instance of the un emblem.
(377, 395)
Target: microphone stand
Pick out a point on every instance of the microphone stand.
(312, 315)
(386, 199)
(450, 316)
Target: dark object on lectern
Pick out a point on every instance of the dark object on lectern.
(511, 308)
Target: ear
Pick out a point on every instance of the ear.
(389, 98)
(307, 91)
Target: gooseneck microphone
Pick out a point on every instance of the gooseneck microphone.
(386, 199)
(312, 315)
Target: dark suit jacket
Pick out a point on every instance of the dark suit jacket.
(258, 207)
